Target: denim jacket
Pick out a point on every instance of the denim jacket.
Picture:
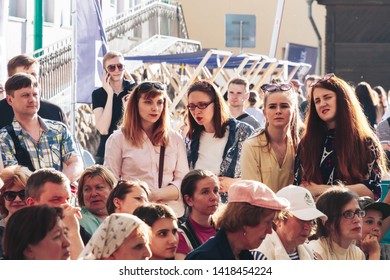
(230, 166)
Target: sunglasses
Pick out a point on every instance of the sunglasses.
(146, 86)
(200, 105)
(112, 67)
(11, 196)
(351, 214)
(326, 78)
(273, 88)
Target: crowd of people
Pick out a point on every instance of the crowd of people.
(287, 173)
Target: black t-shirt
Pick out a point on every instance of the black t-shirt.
(47, 110)
(99, 100)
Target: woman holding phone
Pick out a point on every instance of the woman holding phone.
(107, 101)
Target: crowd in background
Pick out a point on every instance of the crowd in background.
(293, 171)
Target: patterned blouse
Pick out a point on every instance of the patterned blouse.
(328, 165)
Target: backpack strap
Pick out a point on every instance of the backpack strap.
(190, 235)
(243, 116)
(21, 154)
(388, 120)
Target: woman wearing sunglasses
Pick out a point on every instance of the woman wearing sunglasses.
(269, 156)
(214, 138)
(338, 144)
(12, 195)
(107, 101)
(146, 148)
(335, 238)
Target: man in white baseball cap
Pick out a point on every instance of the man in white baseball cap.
(292, 227)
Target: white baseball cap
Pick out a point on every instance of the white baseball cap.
(302, 204)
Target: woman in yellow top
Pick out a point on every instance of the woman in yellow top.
(268, 156)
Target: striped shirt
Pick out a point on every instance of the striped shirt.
(54, 147)
(294, 256)
(258, 256)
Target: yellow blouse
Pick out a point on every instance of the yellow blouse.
(260, 164)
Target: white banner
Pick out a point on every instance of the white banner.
(187, 270)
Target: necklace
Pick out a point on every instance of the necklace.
(280, 152)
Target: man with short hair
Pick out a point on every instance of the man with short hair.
(50, 187)
(48, 110)
(238, 93)
(310, 80)
(45, 143)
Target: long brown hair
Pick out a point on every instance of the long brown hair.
(131, 125)
(352, 135)
(221, 110)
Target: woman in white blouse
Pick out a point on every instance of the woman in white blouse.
(133, 152)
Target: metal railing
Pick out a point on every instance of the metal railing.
(56, 60)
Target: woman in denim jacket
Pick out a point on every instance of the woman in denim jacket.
(214, 139)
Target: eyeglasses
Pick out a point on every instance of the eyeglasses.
(200, 105)
(351, 214)
(112, 67)
(11, 196)
(146, 86)
(272, 88)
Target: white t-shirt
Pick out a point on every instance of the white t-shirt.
(211, 152)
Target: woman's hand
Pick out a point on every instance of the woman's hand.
(226, 182)
(314, 189)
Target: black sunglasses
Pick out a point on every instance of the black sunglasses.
(146, 86)
(273, 88)
(11, 196)
(112, 67)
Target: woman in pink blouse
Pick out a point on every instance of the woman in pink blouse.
(133, 151)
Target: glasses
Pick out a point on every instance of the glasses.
(326, 78)
(200, 105)
(351, 214)
(112, 67)
(146, 86)
(11, 196)
(272, 88)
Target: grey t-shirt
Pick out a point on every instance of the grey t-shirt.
(383, 130)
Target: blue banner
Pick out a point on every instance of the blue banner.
(91, 46)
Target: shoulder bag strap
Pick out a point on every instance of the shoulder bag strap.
(21, 154)
(161, 166)
(191, 235)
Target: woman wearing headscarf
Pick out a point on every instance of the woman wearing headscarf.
(120, 237)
